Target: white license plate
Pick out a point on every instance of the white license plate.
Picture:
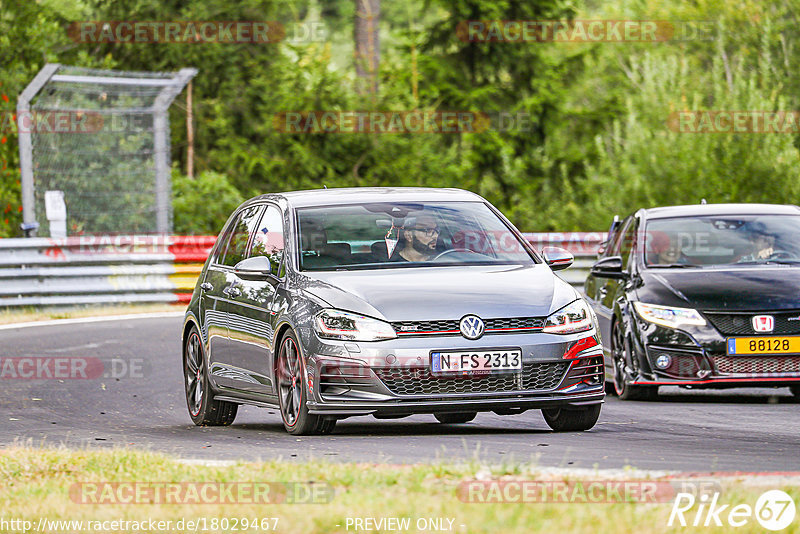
(476, 361)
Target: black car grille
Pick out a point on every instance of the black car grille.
(449, 327)
(741, 324)
(587, 370)
(420, 381)
(757, 365)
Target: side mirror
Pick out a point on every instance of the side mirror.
(610, 267)
(255, 267)
(557, 258)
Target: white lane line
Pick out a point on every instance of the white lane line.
(209, 463)
(82, 320)
(85, 346)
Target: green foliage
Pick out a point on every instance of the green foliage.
(597, 144)
(203, 204)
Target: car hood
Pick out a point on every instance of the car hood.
(431, 293)
(735, 288)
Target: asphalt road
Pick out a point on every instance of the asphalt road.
(733, 430)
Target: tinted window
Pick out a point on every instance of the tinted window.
(614, 244)
(626, 242)
(240, 235)
(722, 240)
(268, 239)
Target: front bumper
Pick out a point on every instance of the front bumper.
(393, 377)
(699, 359)
(503, 405)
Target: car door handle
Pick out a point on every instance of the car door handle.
(206, 286)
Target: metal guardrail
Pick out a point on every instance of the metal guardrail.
(151, 269)
(100, 269)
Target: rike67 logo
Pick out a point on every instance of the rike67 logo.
(774, 510)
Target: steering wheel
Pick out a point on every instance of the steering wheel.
(782, 255)
(452, 250)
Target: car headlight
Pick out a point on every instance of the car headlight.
(669, 316)
(575, 317)
(335, 324)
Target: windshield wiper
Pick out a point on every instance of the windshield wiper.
(766, 262)
(672, 265)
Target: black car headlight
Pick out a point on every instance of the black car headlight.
(336, 324)
(669, 316)
(572, 318)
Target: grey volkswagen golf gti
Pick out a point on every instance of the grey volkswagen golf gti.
(389, 302)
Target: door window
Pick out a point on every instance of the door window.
(268, 239)
(240, 236)
(628, 242)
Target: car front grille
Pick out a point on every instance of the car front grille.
(741, 324)
(450, 327)
(420, 381)
(757, 365)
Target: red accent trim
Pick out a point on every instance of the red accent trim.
(714, 381)
(416, 332)
(579, 346)
(532, 328)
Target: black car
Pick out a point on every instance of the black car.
(387, 302)
(700, 296)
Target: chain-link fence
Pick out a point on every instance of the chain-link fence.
(102, 138)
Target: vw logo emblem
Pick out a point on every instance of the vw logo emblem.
(471, 326)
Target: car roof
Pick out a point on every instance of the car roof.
(355, 195)
(699, 210)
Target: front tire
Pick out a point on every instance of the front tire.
(292, 392)
(455, 418)
(571, 419)
(621, 354)
(203, 409)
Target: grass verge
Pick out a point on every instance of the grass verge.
(24, 315)
(37, 483)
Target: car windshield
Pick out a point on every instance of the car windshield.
(722, 240)
(396, 234)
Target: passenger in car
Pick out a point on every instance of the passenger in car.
(665, 250)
